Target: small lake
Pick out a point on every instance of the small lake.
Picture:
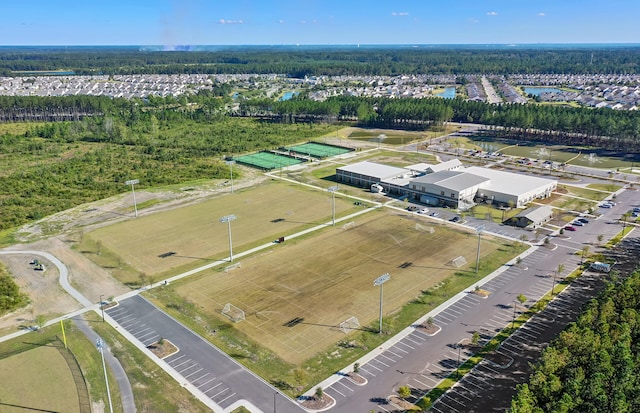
(449, 93)
(537, 91)
(289, 95)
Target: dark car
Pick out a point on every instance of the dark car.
(455, 219)
(583, 220)
(569, 228)
(412, 208)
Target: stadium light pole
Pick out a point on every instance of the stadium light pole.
(479, 231)
(333, 190)
(231, 163)
(100, 345)
(227, 219)
(102, 308)
(379, 282)
(132, 182)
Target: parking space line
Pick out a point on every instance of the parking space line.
(405, 344)
(191, 374)
(345, 386)
(206, 382)
(332, 388)
(175, 359)
(219, 393)
(184, 362)
(219, 384)
(231, 395)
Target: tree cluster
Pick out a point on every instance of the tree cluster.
(10, 296)
(592, 366)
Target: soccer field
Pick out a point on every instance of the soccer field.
(37, 380)
(327, 278)
(195, 235)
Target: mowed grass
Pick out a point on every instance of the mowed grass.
(197, 237)
(328, 277)
(37, 380)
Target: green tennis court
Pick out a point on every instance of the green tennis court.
(318, 150)
(267, 160)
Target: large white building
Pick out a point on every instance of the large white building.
(450, 183)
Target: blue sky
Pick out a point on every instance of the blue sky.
(235, 22)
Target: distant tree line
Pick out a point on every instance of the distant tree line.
(369, 61)
(603, 128)
(593, 365)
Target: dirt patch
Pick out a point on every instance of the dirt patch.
(402, 404)
(357, 379)
(317, 403)
(163, 348)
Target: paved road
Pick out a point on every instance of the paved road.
(220, 378)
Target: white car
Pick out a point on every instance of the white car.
(423, 210)
(605, 205)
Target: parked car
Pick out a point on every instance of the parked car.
(423, 210)
(636, 209)
(577, 223)
(583, 220)
(455, 219)
(569, 228)
(434, 214)
(610, 203)
(605, 205)
(412, 208)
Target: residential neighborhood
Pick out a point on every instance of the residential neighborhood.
(620, 92)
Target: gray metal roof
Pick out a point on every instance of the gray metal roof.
(374, 170)
(508, 182)
(454, 180)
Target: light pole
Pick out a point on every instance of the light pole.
(132, 182)
(479, 231)
(379, 282)
(227, 219)
(231, 163)
(102, 308)
(333, 190)
(100, 345)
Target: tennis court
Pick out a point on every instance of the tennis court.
(267, 160)
(318, 150)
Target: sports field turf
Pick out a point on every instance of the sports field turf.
(196, 236)
(328, 278)
(37, 380)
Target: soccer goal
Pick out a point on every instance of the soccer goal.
(459, 261)
(349, 225)
(424, 228)
(349, 325)
(233, 313)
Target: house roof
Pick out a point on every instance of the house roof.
(536, 214)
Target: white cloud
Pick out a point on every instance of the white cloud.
(403, 13)
(492, 13)
(541, 14)
(223, 21)
(303, 22)
(281, 21)
(472, 20)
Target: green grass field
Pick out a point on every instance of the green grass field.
(328, 278)
(197, 237)
(40, 380)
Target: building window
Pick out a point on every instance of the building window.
(442, 193)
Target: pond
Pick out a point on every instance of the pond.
(449, 93)
(289, 95)
(537, 91)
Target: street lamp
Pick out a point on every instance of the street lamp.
(333, 190)
(100, 346)
(132, 182)
(227, 219)
(379, 282)
(231, 163)
(102, 308)
(479, 231)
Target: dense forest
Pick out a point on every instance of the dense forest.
(326, 61)
(593, 365)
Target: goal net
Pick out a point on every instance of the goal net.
(233, 313)
(459, 261)
(349, 325)
(349, 225)
(424, 228)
